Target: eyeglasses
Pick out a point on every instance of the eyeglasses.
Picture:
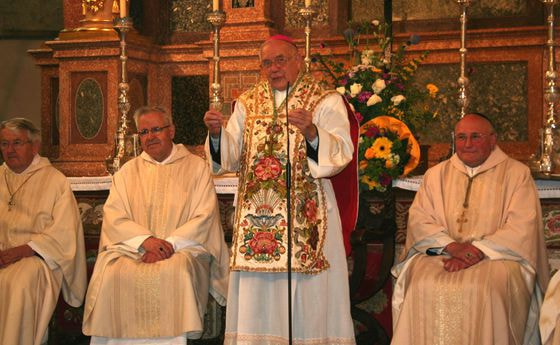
(279, 61)
(153, 130)
(475, 137)
(16, 144)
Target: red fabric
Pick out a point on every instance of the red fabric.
(345, 185)
(281, 38)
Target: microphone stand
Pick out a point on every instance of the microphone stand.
(289, 208)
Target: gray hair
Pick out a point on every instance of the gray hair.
(22, 124)
(148, 109)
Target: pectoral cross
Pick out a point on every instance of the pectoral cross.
(11, 203)
(462, 220)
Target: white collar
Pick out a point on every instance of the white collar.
(147, 157)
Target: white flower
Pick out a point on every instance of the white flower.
(378, 86)
(397, 99)
(395, 158)
(366, 57)
(374, 99)
(341, 90)
(355, 89)
(375, 22)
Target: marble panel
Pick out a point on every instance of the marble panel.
(507, 106)
(438, 9)
(190, 15)
(89, 106)
(190, 99)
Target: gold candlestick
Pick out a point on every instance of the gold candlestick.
(550, 95)
(217, 18)
(463, 80)
(126, 143)
(308, 13)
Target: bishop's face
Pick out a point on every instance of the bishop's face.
(158, 138)
(17, 150)
(280, 63)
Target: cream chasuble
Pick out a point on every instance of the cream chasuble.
(253, 143)
(44, 215)
(174, 201)
(495, 301)
(550, 313)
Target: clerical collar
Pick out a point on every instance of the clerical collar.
(472, 171)
(31, 166)
(166, 160)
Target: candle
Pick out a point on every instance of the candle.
(122, 8)
(216, 5)
(307, 3)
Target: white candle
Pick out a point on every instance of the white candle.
(122, 8)
(307, 3)
(215, 5)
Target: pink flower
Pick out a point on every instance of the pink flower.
(311, 211)
(372, 132)
(359, 117)
(263, 243)
(268, 168)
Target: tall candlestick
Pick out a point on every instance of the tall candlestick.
(122, 8)
(307, 13)
(215, 5)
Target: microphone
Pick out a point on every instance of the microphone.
(289, 216)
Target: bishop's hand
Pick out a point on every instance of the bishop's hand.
(214, 120)
(303, 120)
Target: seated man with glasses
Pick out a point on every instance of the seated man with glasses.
(162, 248)
(41, 239)
(475, 264)
(255, 143)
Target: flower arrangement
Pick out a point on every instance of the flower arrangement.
(387, 150)
(379, 83)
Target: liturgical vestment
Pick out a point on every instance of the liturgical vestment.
(495, 301)
(44, 216)
(254, 143)
(175, 201)
(550, 313)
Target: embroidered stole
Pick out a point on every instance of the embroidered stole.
(261, 222)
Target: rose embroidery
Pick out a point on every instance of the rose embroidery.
(268, 168)
(263, 243)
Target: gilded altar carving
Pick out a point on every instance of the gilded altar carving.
(92, 6)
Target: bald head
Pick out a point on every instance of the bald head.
(475, 139)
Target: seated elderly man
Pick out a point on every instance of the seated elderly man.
(162, 248)
(41, 239)
(475, 262)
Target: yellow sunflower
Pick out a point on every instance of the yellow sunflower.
(369, 182)
(382, 147)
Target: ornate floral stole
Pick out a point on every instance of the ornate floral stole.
(260, 232)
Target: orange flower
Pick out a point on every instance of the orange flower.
(388, 164)
(363, 165)
(370, 153)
